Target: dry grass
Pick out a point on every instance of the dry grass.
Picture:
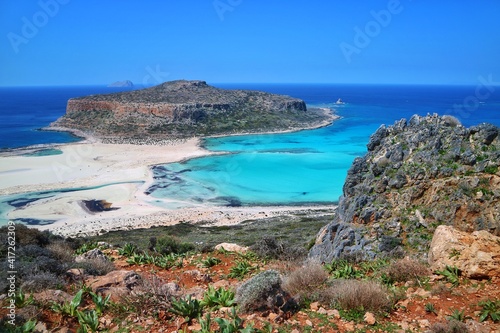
(96, 266)
(149, 297)
(406, 269)
(61, 250)
(357, 295)
(450, 326)
(305, 279)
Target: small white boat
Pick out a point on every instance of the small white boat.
(339, 101)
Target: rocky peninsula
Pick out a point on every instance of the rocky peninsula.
(182, 109)
(417, 175)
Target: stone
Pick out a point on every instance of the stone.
(322, 311)
(314, 306)
(369, 318)
(333, 313)
(121, 278)
(94, 254)
(309, 323)
(50, 295)
(231, 247)
(476, 254)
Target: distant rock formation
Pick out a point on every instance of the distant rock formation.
(122, 84)
(185, 109)
(417, 175)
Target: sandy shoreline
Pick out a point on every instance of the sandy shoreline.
(117, 173)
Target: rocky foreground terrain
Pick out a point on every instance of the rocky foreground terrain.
(417, 174)
(180, 109)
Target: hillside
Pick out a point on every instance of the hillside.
(416, 175)
(180, 109)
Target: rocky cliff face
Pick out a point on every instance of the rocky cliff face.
(417, 175)
(185, 108)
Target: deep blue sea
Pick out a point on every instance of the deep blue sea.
(275, 169)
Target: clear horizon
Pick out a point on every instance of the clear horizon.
(69, 43)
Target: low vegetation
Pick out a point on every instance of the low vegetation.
(189, 288)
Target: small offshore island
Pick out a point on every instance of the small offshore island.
(129, 132)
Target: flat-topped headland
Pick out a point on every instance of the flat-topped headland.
(182, 109)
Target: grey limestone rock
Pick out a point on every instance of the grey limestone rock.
(416, 175)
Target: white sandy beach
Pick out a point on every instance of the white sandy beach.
(92, 164)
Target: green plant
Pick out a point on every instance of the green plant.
(21, 300)
(205, 324)
(429, 308)
(491, 169)
(241, 269)
(458, 315)
(27, 327)
(452, 274)
(137, 259)
(341, 269)
(127, 250)
(168, 244)
(490, 309)
(86, 247)
(100, 302)
(88, 320)
(210, 262)
(454, 253)
(188, 308)
(216, 298)
(69, 308)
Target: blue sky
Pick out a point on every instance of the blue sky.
(70, 42)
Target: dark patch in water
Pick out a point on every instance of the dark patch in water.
(97, 206)
(34, 221)
(230, 201)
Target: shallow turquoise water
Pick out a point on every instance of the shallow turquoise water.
(306, 167)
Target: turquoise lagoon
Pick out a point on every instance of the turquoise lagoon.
(305, 167)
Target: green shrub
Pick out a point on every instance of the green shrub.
(270, 247)
(263, 292)
(168, 245)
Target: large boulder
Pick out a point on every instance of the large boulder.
(476, 254)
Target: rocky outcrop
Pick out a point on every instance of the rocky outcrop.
(416, 175)
(184, 109)
(476, 255)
